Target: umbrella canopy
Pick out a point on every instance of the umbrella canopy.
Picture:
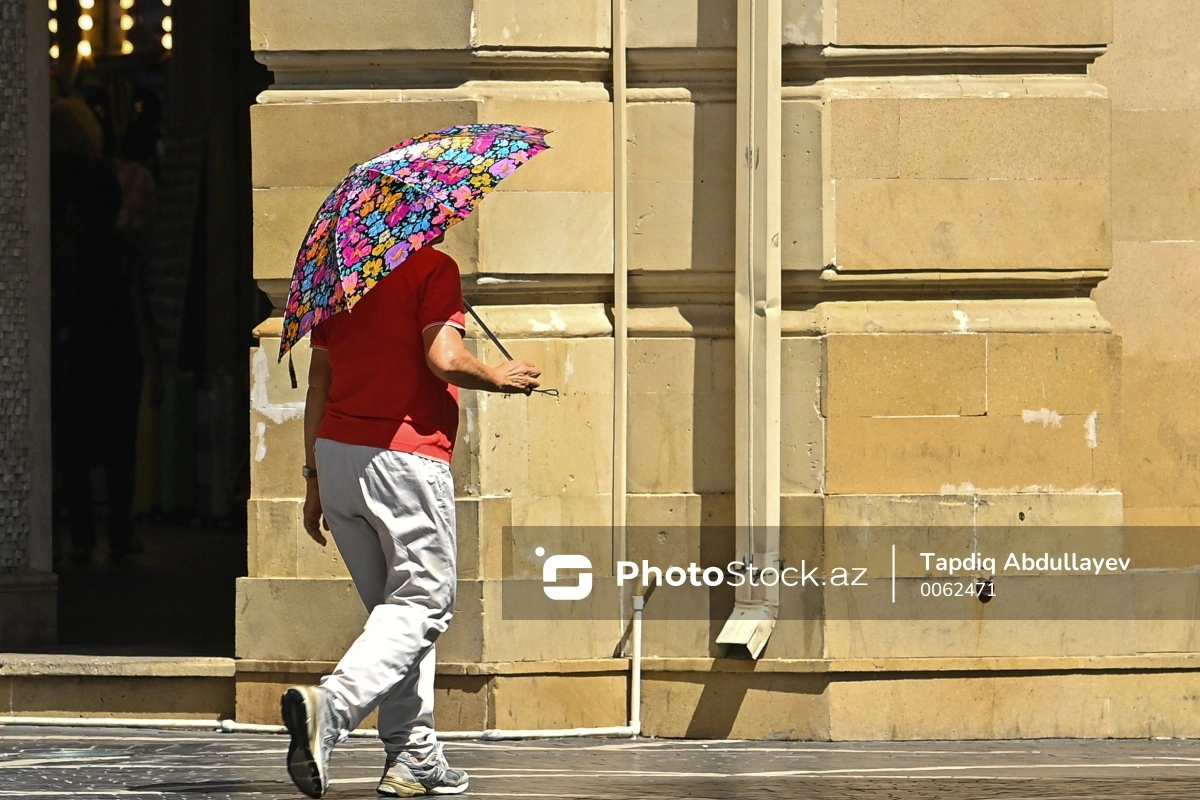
(391, 206)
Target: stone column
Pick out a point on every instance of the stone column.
(969, 385)
(28, 587)
(968, 379)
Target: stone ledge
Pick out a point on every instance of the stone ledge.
(1029, 664)
(1025, 664)
(563, 667)
(34, 665)
(454, 70)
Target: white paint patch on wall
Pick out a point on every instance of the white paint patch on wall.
(1048, 418)
(556, 323)
(1089, 425)
(802, 21)
(260, 432)
(964, 322)
(963, 488)
(260, 374)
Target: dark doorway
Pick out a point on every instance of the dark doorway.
(169, 84)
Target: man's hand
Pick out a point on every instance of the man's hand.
(517, 377)
(450, 361)
(313, 519)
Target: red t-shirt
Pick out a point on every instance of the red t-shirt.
(383, 393)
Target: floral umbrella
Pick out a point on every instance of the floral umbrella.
(393, 205)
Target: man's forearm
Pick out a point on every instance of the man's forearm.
(314, 412)
(468, 372)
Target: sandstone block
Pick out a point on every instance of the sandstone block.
(962, 454)
(335, 136)
(542, 23)
(574, 235)
(276, 474)
(684, 622)
(1150, 41)
(503, 431)
(580, 154)
(133, 697)
(512, 632)
(272, 529)
(281, 219)
(682, 23)
(712, 23)
(865, 137)
(664, 141)
(263, 602)
(735, 706)
(898, 375)
(1136, 705)
(317, 25)
(539, 702)
(572, 450)
(1065, 373)
(1154, 172)
(972, 224)
(1100, 511)
(942, 22)
(987, 138)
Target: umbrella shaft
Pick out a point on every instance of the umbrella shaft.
(487, 330)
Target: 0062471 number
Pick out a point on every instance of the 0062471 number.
(983, 589)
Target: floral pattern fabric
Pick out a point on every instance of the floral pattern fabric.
(391, 206)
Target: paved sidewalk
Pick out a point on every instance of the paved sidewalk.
(109, 763)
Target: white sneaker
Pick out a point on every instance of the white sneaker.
(405, 776)
(309, 718)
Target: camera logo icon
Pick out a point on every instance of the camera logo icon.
(561, 563)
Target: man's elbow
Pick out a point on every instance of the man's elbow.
(442, 364)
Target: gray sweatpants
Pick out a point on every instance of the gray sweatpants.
(392, 517)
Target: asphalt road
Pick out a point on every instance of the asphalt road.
(110, 763)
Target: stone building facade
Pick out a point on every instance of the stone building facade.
(947, 194)
(981, 300)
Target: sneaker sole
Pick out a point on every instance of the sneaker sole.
(301, 725)
(402, 789)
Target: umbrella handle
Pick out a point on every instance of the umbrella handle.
(492, 336)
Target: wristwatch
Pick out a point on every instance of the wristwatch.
(308, 472)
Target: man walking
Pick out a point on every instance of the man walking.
(379, 427)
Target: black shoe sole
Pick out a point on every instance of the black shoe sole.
(301, 761)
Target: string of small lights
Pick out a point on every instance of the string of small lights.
(112, 26)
